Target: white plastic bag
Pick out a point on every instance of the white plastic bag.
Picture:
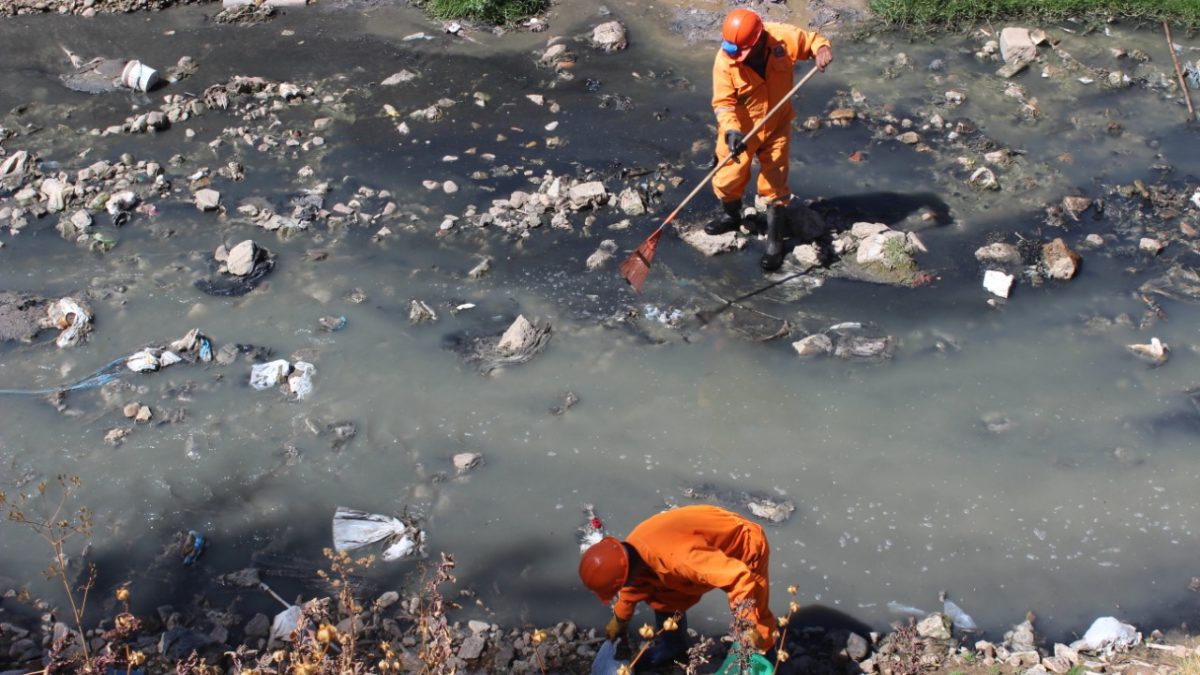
(286, 623)
(270, 374)
(354, 529)
(1107, 635)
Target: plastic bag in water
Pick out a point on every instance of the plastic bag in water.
(961, 619)
(1107, 635)
(606, 662)
(353, 529)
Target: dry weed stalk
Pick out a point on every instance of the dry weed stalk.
(53, 521)
(436, 652)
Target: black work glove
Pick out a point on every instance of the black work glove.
(736, 141)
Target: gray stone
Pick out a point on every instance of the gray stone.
(857, 647)
(999, 253)
(82, 220)
(602, 255)
(399, 78)
(242, 258)
(387, 599)
(472, 648)
(479, 271)
(477, 626)
(1016, 45)
(520, 336)
(875, 248)
(465, 461)
(630, 202)
(609, 36)
(54, 192)
(813, 345)
(711, 245)
(936, 626)
(259, 626)
(1024, 659)
(207, 199)
(806, 256)
(21, 646)
(588, 194)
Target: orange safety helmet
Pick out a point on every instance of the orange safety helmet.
(604, 568)
(740, 32)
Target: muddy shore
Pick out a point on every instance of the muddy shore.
(500, 218)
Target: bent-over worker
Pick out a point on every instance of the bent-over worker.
(752, 72)
(670, 561)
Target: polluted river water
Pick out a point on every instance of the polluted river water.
(1014, 454)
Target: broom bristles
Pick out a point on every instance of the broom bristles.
(636, 267)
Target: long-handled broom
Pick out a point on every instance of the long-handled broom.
(636, 267)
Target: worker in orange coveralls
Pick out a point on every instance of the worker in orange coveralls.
(672, 559)
(753, 71)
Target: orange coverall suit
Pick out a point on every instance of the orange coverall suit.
(690, 551)
(741, 99)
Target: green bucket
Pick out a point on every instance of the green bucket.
(759, 665)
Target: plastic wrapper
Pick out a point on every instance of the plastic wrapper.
(354, 529)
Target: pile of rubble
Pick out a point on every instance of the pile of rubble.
(85, 8)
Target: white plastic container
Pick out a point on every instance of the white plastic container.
(139, 76)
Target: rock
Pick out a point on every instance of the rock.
(143, 415)
(54, 192)
(1011, 70)
(813, 345)
(177, 643)
(857, 647)
(207, 199)
(889, 249)
(399, 78)
(479, 271)
(419, 312)
(806, 256)
(711, 245)
(909, 138)
(1075, 206)
(520, 336)
(1151, 246)
(131, 410)
(609, 36)
(997, 283)
(1016, 45)
(387, 599)
(465, 461)
(449, 187)
(984, 179)
(1156, 352)
(472, 648)
(1056, 664)
(936, 626)
(1024, 659)
(999, 253)
(258, 627)
(1060, 261)
(770, 510)
(477, 626)
(956, 97)
(585, 195)
(81, 220)
(602, 255)
(630, 202)
(242, 258)
(1064, 652)
(1021, 638)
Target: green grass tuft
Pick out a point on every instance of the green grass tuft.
(923, 13)
(488, 11)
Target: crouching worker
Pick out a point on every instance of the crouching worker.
(669, 562)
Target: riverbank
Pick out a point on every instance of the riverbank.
(963, 13)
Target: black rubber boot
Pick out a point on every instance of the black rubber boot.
(670, 646)
(776, 222)
(729, 221)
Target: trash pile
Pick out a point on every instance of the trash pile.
(522, 341)
(85, 8)
(23, 316)
(296, 378)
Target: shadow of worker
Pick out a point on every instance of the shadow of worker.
(819, 640)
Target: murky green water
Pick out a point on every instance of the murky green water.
(901, 490)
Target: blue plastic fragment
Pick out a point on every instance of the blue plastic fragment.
(206, 353)
(198, 546)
